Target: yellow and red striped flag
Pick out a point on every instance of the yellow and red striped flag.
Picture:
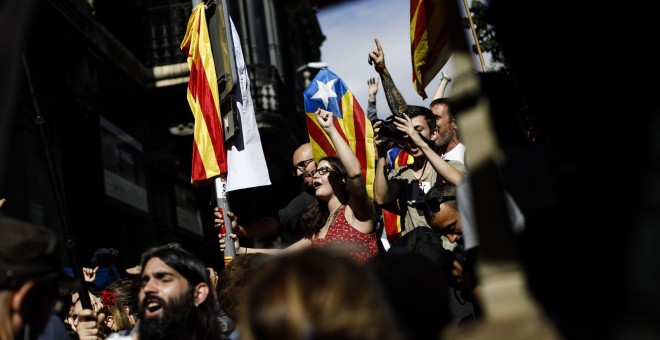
(330, 93)
(429, 40)
(209, 156)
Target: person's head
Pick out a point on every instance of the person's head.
(120, 298)
(175, 297)
(445, 122)
(30, 274)
(417, 290)
(441, 211)
(329, 179)
(136, 270)
(303, 163)
(76, 307)
(424, 123)
(315, 294)
(233, 280)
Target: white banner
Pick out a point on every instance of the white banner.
(246, 163)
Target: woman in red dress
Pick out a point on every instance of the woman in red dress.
(341, 191)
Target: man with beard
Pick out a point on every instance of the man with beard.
(176, 300)
(448, 144)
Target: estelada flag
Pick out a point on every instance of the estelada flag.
(429, 41)
(209, 158)
(329, 92)
(396, 157)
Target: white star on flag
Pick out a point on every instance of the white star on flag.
(325, 91)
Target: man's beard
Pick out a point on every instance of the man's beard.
(444, 137)
(177, 318)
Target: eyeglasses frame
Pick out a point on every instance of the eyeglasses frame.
(302, 165)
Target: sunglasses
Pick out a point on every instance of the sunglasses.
(433, 204)
(322, 171)
(302, 165)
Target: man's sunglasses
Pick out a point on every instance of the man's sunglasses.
(302, 165)
(433, 204)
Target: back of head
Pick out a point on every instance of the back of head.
(123, 294)
(417, 289)
(315, 294)
(233, 280)
(442, 189)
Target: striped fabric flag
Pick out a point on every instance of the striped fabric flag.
(209, 156)
(429, 41)
(329, 92)
(396, 157)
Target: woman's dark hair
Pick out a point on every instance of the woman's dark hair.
(313, 218)
(340, 171)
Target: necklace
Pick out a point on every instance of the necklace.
(334, 215)
(422, 174)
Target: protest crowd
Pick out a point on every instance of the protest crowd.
(403, 228)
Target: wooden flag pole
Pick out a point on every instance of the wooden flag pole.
(223, 204)
(474, 35)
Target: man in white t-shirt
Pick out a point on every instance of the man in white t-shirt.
(448, 145)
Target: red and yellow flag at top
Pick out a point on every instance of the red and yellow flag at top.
(209, 158)
(429, 40)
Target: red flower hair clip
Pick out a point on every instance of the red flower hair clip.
(108, 298)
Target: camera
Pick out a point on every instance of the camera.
(388, 131)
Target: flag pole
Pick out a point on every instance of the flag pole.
(474, 35)
(223, 204)
(60, 199)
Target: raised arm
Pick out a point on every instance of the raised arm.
(440, 92)
(394, 98)
(359, 199)
(372, 88)
(444, 169)
(385, 192)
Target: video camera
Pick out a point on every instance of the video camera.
(388, 131)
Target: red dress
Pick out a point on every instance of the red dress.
(364, 246)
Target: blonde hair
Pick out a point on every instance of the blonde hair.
(124, 291)
(6, 329)
(315, 294)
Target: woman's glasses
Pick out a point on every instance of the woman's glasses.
(433, 204)
(302, 165)
(322, 171)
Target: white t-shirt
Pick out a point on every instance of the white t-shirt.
(456, 154)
